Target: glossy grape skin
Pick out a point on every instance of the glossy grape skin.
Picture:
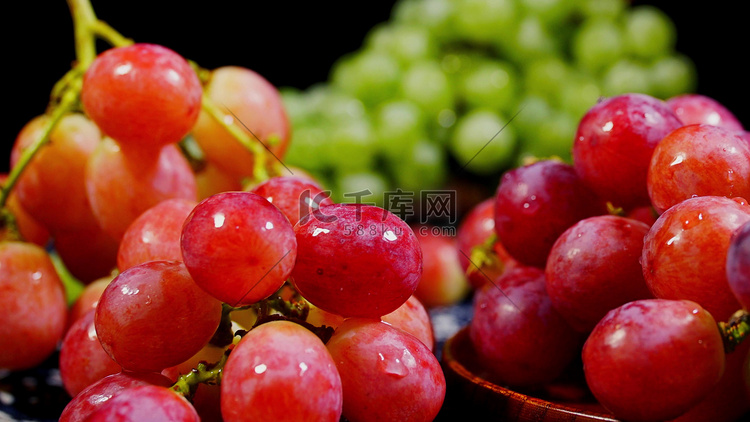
(614, 144)
(153, 316)
(32, 306)
(123, 184)
(295, 197)
(651, 360)
(51, 188)
(594, 267)
(475, 228)
(443, 283)
(535, 204)
(145, 402)
(413, 318)
(383, 372)
(144, 96)
(280, 371)
(98, 393)
(83, 361)
(738, 265)
(356, 260)
(698, 160)
(257, 104)
(685, 252)
(515, 326)
(700, 109)
(238, 247)
(155, 234)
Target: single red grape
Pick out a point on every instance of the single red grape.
(595, 267)
(413, 318)
(145, 402)
(614, 143)
(294, 196)
(386, 373)
(535, 204)
(443, 281)
(280, 371)
(144, 96)
(685, 252)
(698, 160)
(238, 247)
(88, 253)
(653, 359)
(699, 109)
(356, 260)
(153, 316)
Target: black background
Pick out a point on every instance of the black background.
(293, 43)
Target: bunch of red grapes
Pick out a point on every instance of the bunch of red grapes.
(267, 302)
(631, 258)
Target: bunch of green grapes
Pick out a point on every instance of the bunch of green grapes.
(430, 88)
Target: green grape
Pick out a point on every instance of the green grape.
(554, 138)
(365, 187)
(530, 40)
(296, 105)
(308, 149)
(533, 110)
(405, 43)
(352, 145)
(552, 13)
(597, 44)
(434, 15)
(423, 165)
(399, 124)
(339, 107)
(483, 21)
(545, 77)
(579, 94)
(626, 76)
(649, 33)
(608, 9)
(491, 84)
(426, 84)
(481, 144)
(371, 76)
(672, 75)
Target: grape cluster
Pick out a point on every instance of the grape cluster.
(635, 257)
(153, 233)
(429, 88)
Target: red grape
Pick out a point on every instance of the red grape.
(32, 305)
(83, 361)
(614, 143)
(535, 204)
(238, 247)
(145, 402)
(143, 95)
(387, 374)
(121, 185)
(413, 318)
(653, 359)
(153, 316)
(443, 282)
(698, 160)
(52, 187)
(155, 234)
(88, 299)
(685, 252)
(515, 327)
(29, 229)
(280, 371)
(294, 196)
(356, 260)
(595, 267)
(699, 109)
(258, 106)
(212, 180)
(738, 265)
(88, 253)
(475, 228)
(98, 393)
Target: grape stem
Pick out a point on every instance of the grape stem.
(483, 255)
(736, 330)
(204, 373)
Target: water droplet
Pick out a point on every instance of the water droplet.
(396, 366)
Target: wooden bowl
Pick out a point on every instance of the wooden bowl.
(471, 394)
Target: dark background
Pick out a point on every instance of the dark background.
(293, 43)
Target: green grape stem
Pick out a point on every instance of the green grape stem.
(483, 255)
(736, 330)
(204, 373)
